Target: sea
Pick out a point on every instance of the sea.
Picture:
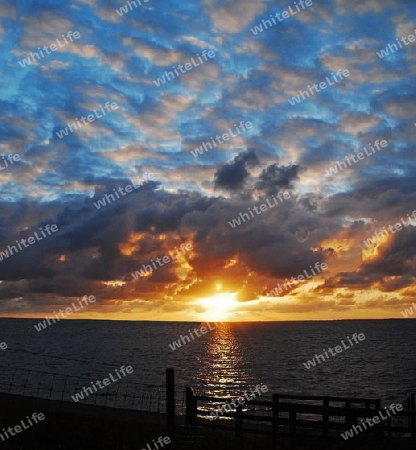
(228, 359)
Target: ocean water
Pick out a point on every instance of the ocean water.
(225, 361)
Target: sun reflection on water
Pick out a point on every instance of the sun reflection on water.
(222, 367)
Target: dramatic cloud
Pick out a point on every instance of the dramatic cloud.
(274, 177)
(232, 175)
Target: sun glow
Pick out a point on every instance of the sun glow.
(217, 307)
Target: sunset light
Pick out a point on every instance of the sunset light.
(218, 307)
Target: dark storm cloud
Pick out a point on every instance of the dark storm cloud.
(91, 240)
(396, 258)
(232, 176)
(164, 220)
(273, 178)
(277, 245)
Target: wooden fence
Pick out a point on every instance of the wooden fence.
(294, 412)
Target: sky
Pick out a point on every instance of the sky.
(103, 72)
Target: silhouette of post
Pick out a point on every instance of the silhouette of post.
(292, 419)
(170, 401)
(275, 413)
(379, 428)
(191, 407)
(350, 419)
(239, 421)
(325, 416)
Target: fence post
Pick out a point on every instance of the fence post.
(275, 413)
(413, 418)
(325, 416)
(239, 421)
(191, 407)
(389, 428)
(409, 409)
(350, 418)
(170, 401)
(380, 426)
(292, 419)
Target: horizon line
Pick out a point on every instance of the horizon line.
(205, 321)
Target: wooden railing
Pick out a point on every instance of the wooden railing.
(291, 412)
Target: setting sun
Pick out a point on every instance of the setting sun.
(218, 306)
